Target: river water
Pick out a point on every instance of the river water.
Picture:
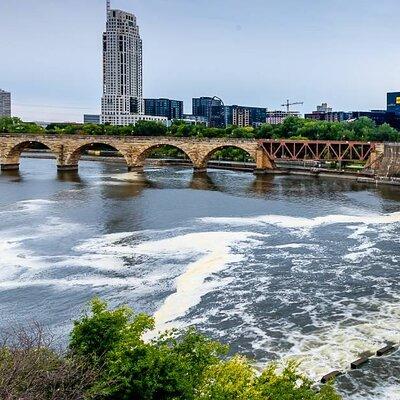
(278, 266)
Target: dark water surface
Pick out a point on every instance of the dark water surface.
(278, 266)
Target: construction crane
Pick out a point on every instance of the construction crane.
(288, 104)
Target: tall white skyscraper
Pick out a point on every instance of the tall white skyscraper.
(122, 102)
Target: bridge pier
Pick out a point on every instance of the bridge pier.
(199, 170)
(263, 163)
(136, 168)
(10, 167)
(67, 167)
(262, 171)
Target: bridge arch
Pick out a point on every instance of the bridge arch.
(143, 154)
(74, 155)
(12, 154)
(251, 152)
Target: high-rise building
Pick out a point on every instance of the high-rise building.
(211, 108)
(277, 117)
(325, 113)
(378, 116)
(5, 103)
(171, 109)
(245, 116)
(393, 102)
(323, 108)
(240, 116)
(122, 99)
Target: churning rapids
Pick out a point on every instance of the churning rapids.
(278, 266)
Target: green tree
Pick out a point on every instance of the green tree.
(291, 385)
(16, 125)
(175, 366)
(97, 334)
(167, 368)
(150, 128)
(234, 379)
(385, 133)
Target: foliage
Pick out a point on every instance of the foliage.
(291, 385)
(96, 335)
(362, 129)
(166, 368)
(15, 125)
(142, 128)
(31, 370)
(236, 379)
(177, 365)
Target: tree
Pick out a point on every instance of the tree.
(167, 368)
(97, 334)
(385, 133)
(178, 365)
(236, 379)
(16, 125)
(291, 385)
(150, 128)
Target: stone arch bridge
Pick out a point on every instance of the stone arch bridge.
(68, 149)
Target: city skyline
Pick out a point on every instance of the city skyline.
(257, 56)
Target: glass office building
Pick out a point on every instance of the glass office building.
(211, 108)
(171, 109)
(393, 102)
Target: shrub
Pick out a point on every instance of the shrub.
(31, 370)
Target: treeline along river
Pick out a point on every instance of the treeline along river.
(276, 266)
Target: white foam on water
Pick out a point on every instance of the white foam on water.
(197, 259)
(215, 251)
(293, 246)
(17, 261)
(337, 345)
(28, 206)
(384, 392)
(305, 223)
(92, 281)
(14, 259)
(106, 244)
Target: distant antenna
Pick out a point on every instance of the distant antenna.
(108, 5)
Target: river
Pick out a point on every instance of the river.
(278, 266)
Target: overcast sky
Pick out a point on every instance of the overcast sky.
(248, 52)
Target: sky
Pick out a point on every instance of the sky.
(248, 52)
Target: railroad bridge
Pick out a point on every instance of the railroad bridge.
(67, 149)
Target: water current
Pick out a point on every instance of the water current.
(279, 267)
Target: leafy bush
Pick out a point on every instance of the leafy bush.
(31, 370)
(236, 379)
(174, 366)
